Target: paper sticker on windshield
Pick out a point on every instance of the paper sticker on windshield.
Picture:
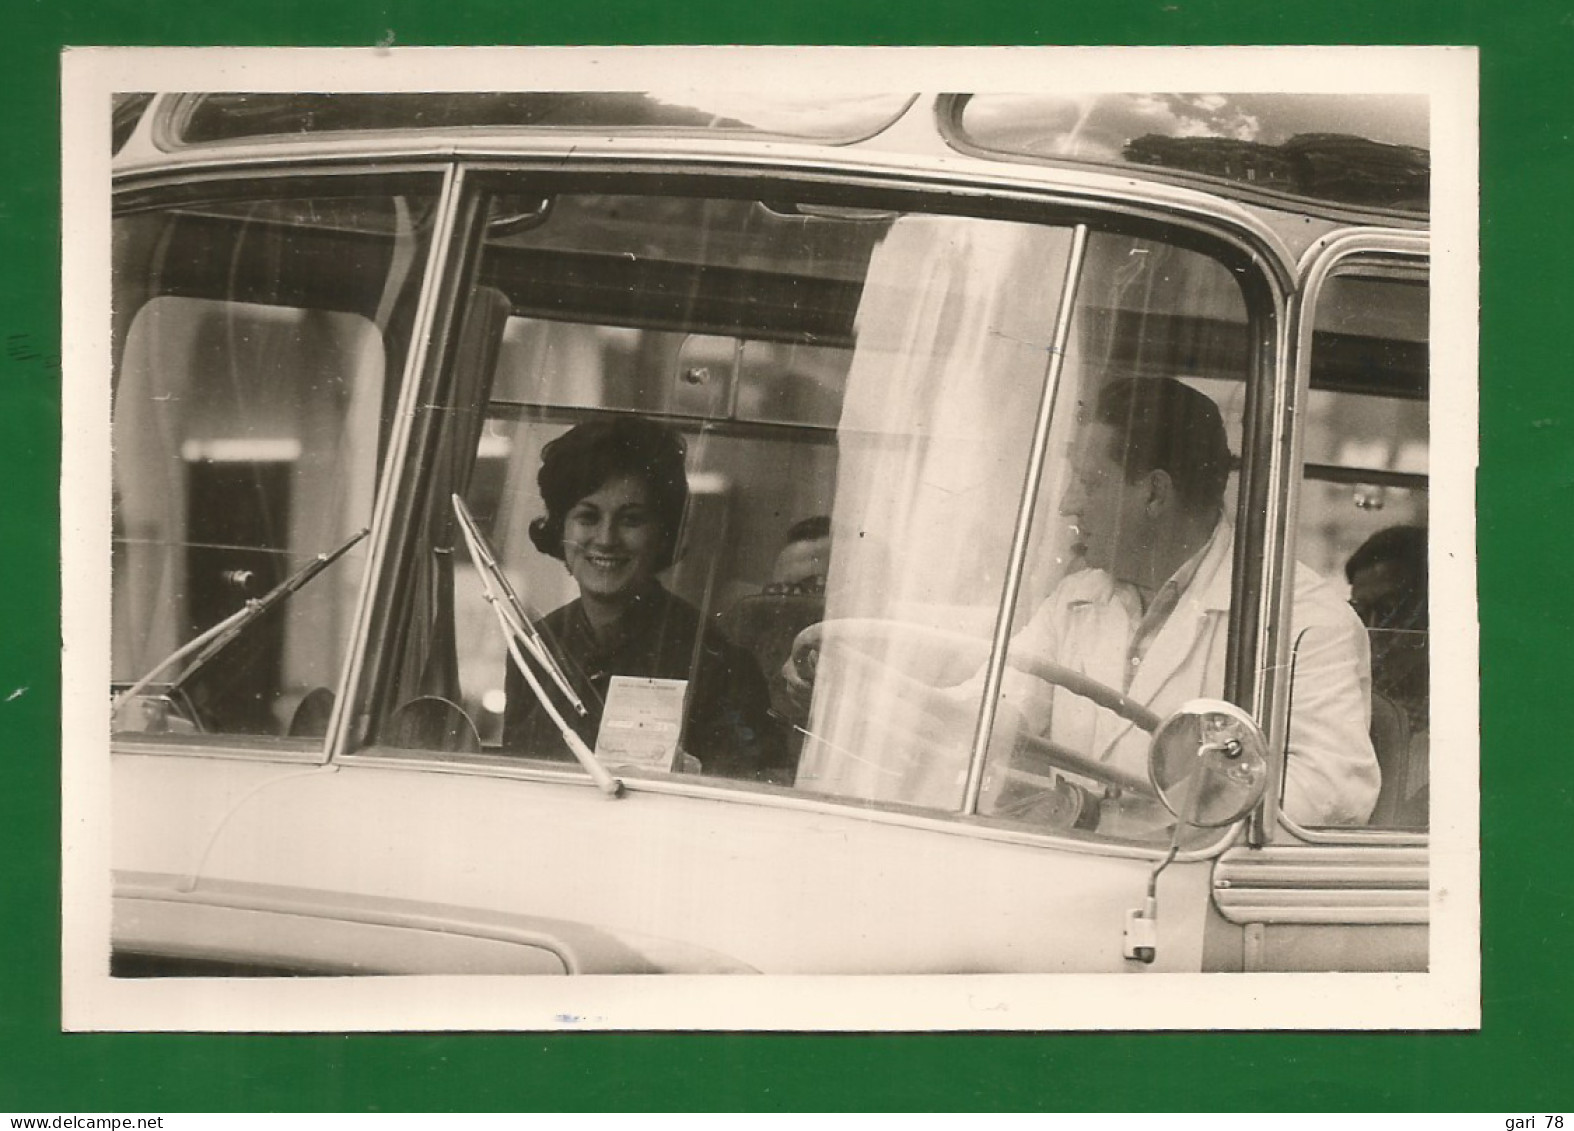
(641, 723)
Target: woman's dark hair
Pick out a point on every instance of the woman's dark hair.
(585, 458)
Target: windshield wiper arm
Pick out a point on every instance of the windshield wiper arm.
(518, 630)
(509, 607)
(211, 642)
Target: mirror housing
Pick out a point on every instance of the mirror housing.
(1208, 762)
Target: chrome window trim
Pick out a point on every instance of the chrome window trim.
(1264, 398)
(413, 380)
(1273, 596)
(1301, 884)
(1353, 836)
(1214, 220)
(783, 797)
(173, 111)
(588, 154)
(395, 502)
(134, 184)
(133, 745)
(1016, 562)
(1320, 263)
(1211, 216)
(1319, 260)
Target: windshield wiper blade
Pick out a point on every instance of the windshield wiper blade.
(210, 643)
(517, 631)
(510, 608)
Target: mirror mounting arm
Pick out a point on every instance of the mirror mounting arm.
(1208, 763)
(1141, 938)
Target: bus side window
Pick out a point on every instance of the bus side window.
(1363, 514)
(258, 346)
(683, 386)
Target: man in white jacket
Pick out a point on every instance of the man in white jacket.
(1148, 617)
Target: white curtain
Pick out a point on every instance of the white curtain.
(955, 329)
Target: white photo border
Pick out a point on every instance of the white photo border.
(1447, 997)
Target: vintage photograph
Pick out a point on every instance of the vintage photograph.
(800, 552)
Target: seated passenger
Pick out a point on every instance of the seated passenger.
(765, 624)
(1148, 615)
(1388, 591)
(615, 493)
(805, 558)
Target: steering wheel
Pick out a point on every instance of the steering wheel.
(1033, 753)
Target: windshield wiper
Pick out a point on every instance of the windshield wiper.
(510, 609)
(211, 642)
(517, 632)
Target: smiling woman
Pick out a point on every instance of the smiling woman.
(615, 492)
(610, 547)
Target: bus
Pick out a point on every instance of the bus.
(707, 533)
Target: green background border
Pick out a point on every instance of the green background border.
(1522, 1060)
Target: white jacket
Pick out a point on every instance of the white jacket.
(1331, 775)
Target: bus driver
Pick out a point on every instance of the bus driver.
(1147, 616)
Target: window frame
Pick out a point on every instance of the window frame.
(142, 194)
(1408, 255)
(1259, 265)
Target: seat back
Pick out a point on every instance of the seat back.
(1401, 758)
(431, 722)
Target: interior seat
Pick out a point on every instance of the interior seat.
(1402, 755)
(430, 722)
